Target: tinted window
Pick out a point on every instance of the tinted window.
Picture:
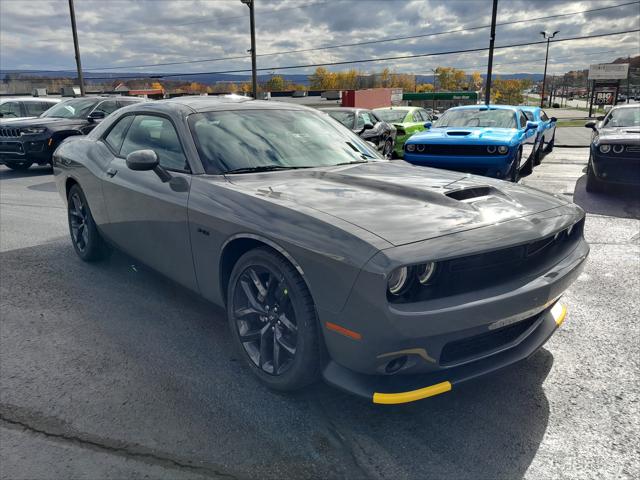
(392, 116)
(35, 109)
(425, 116)
(10, 110)
(116, 135)
(523, 120)
(157, 134)
(543, 115)
(108, 106)
(529, 115)
(360, 122)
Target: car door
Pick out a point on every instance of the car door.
(528, 141)
(549, 127)
(148, 218)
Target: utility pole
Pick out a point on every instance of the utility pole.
(72, 12)
(628, 75)
(254, 74)
(492, 39)
(546, 60)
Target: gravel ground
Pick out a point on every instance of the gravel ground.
(110, 371)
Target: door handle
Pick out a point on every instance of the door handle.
(111, 172)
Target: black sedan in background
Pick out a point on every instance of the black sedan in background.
(367, 125)
(28, 141)
(615, 149)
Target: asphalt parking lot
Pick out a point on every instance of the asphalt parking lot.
(111, 371)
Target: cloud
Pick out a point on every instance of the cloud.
(37, 34)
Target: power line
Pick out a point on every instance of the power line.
(372, 60)
(354, 44)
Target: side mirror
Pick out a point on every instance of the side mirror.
(434, 117)
(531, 126)
(367, 126)
(427, 125)
(96, 115)
(600, 118)
(553, 119)
(591, 125)
(144, 160)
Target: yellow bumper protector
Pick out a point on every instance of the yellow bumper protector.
(413, 395)
(559, 312)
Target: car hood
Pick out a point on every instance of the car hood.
(399, 202)
(43, 122)
(5, 121)
(626, 135)
(466, 135)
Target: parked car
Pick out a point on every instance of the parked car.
(494, 141)
(546, 138)
(393, 282)
(14, 108)
(407, 120)
(367, 125)
(28, 141)
(614, 156)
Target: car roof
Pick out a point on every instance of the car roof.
(403, 108)
(529, 108)
(344, 109)
(484, 107)
(29, 99)
(197, 104)
(629, 105)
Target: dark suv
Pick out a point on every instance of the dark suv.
(29, 141)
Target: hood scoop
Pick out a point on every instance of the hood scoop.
(458, 133)
(466, 194)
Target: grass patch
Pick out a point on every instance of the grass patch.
(571, 123)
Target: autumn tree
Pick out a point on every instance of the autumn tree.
(507, 92)
(475, 82)
(425, 87)
(451, 79)
(276, 84)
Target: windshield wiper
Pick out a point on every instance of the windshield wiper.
(263, 168)
(351, 163)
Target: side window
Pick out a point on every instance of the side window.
(116, 134)
(10, 110)
(360, 122)
(543, 115)
(416, 116)
(369, 118)
(157, 134)
(108, 106)
(529, 115)
(33, 109)
(523, 120)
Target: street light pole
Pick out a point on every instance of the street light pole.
(254, 74)
(546, 60)
(492, 39)
(72, 13)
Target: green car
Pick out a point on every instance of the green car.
(407, 120)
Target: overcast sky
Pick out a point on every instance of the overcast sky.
(36, 34)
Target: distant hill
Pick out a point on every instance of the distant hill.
(212, 78)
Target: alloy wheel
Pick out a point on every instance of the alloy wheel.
(265, 319)
(78, 217)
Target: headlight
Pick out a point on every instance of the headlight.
(491, 149)
(503, 149)
(604, 148)
(32, 130)
(420, 148)
(425, 272)
(618, 148)
(398, 280)
(410, 148)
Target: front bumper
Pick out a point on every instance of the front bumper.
(622, 169)
(403, 389)
(20, 149)
(496, 166)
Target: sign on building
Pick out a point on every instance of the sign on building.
(608, 71)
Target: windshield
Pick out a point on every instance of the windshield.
(480, 117)
(76, 108)
(623, 117)
(345, 118)
(262, 139)
(392, 116)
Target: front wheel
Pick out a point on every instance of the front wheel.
(550, 145)
(593, 184)
(19, 166)
(85, 237)
(388, 148)
(515, 168)
(273, 321)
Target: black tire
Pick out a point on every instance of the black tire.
(387, 149)
(514, 175)
(86, 240)
(19, 166)
(593, 184)
(537, 158)
(279, 316)
(551, 144)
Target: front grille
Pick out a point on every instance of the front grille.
(11, 147)
(9, 132)
(484, 270)
(461, 150)
(633, 148)
(467, 348)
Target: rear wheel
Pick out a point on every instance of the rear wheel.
(388, 148)
(272, 318)
(85, 237)
(19, 166)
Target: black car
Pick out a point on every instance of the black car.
(615, 149)
(28, 141)
(367, 125)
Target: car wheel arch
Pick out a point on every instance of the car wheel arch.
(237, 245)
(70, 182)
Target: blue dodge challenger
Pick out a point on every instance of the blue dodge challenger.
(491, 140)
(546, 131)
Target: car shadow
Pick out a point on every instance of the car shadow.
(151, 366)
(616, 201)
(33, 171)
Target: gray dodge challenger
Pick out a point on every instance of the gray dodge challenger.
(391, 281)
